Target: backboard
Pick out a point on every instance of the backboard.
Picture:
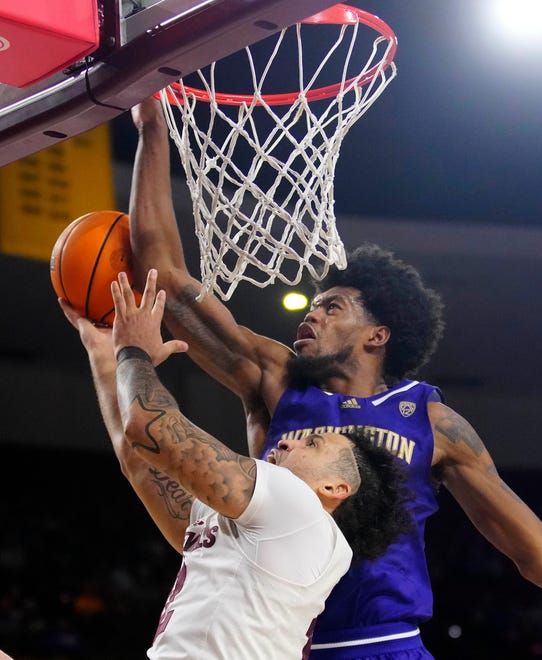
(144, 46)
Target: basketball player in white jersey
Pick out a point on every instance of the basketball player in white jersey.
(262, 545)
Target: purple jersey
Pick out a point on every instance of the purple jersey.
(394, 589)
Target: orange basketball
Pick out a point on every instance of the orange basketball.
(87, 256)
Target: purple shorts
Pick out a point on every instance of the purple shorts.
(393, 642)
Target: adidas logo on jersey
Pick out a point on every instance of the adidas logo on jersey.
(350, 403)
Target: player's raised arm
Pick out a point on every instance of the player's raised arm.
(471, 476)
(166, 501)
(152, 421)
(233, 355)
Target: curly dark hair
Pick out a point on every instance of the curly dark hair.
(376, 515)
(394, 295)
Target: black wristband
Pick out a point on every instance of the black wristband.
(132, 353)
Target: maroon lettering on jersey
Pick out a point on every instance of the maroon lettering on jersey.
(204, 538)
(307, 647)
(210, 537)
(167, 613)
(190, 540)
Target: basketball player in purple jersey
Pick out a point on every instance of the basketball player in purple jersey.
(369, 326)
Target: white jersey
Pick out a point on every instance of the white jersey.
(250, 588)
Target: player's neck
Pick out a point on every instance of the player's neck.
(364, 383)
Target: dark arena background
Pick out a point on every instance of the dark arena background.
(445, 170)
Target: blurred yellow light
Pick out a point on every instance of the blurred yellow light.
(295, 301)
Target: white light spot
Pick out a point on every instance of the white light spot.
(519, 19)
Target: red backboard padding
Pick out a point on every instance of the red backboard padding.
(39, 38)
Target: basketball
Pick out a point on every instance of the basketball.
(87, 256)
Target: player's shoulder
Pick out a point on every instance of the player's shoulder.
(455, 438)
(439, 412)
(410, 388)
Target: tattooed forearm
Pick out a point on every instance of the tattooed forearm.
(145, 385)
(177, 500)
(456, 429)
(170, 442)
(138, 383)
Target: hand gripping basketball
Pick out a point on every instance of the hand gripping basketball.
(141, 325)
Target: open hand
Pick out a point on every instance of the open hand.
(140, 326)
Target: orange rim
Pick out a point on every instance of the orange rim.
(339, 15)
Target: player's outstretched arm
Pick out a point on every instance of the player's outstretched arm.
(246, 363)
(471, 476)
(166, 501)
(152, 421)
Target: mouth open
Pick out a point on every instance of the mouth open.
(305, 334)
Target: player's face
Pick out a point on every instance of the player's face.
(336, 320)
(308, 458)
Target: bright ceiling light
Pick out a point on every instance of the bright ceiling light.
(519, 18)
(293, 301)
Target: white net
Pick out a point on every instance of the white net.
(261, 176)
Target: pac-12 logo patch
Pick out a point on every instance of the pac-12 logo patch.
(406, 408)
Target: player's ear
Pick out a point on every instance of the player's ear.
(334, 492)
(380, 335)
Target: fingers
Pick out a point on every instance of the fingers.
(176, 346)
(125, 302)
(69, 311)
(71, 314)
(140, 325)
(159, 304)
(123, 295)
(149, 110)
(168, 348)
(96, 340)
(118, 299)
(149, 293)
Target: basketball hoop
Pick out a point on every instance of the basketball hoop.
(272, 216)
